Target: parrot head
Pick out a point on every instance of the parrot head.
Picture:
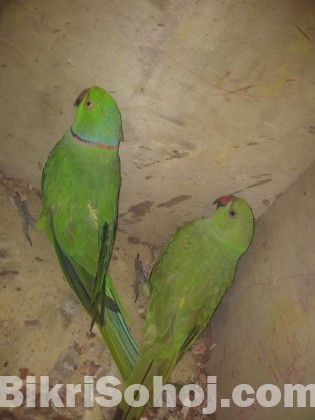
(97, 118)
(234, 221)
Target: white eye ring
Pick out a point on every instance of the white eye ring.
(232, 214)
(89, 104)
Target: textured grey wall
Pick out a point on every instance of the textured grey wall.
(216, 97)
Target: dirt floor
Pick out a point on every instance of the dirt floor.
(45, 330)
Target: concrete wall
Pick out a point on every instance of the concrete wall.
(264, 327)
(216, 97)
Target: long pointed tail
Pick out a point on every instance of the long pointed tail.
(115, 331)
(144, 371)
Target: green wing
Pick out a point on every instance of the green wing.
(115, 330)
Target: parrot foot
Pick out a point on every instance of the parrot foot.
(141, 281)
(25, 214)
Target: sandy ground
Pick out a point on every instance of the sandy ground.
(44, 329)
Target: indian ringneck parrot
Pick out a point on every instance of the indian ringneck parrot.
(80, 188)
(186, 285)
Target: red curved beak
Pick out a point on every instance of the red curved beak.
(81, 97)
(223, 200)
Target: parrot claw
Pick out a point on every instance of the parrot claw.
(25, 214)
(140, 277)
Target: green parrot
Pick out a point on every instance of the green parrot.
(80, 188)
(186, 285)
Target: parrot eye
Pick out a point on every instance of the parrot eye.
(89, 104)
(232, 213)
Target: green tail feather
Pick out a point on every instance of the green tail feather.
(143, 373)
(115, 331)
(117, 335)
